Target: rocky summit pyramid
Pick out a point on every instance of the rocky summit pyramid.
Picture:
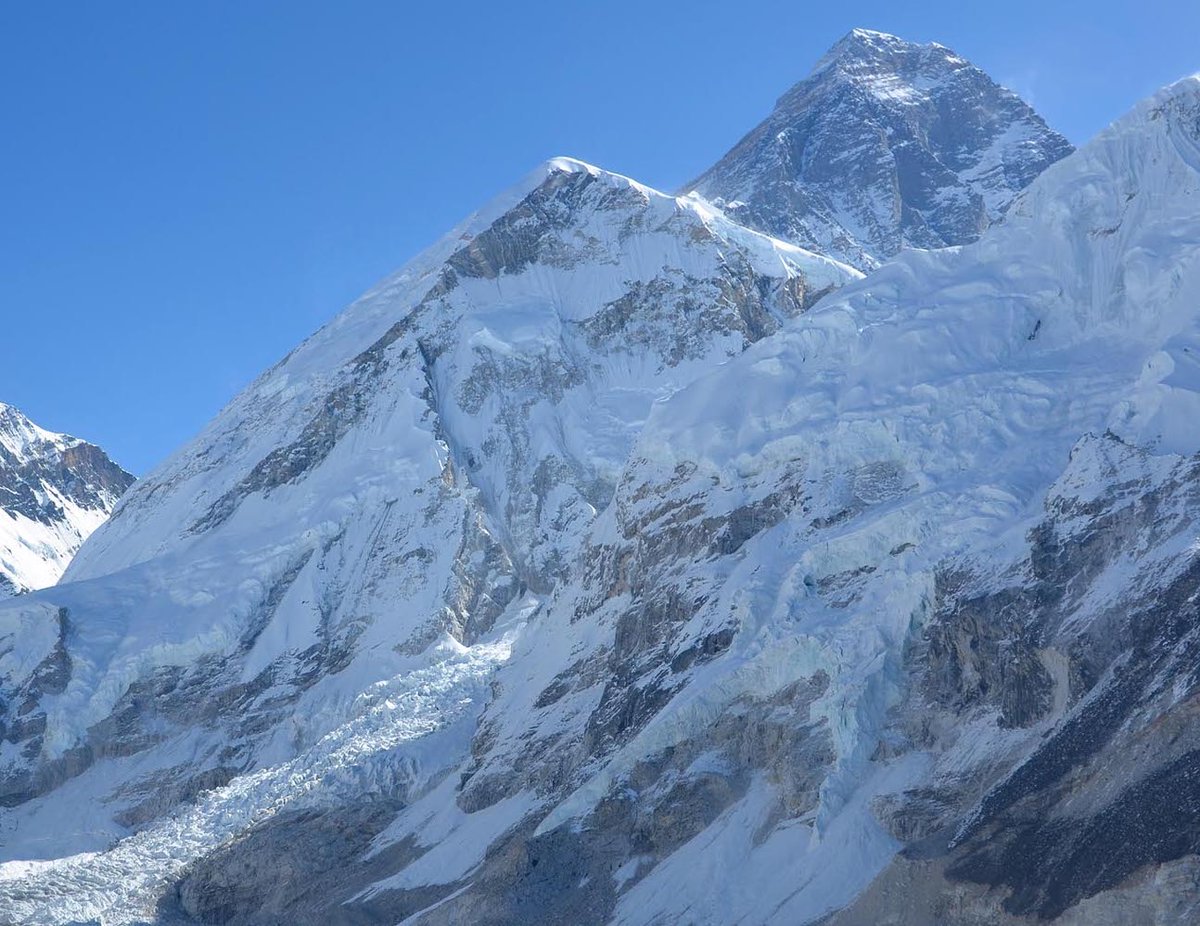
(54, 491)
(886, 145)
(615, 562)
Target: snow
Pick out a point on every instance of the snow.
(929, 363)
(796, 875)
(20, 436)
(455, 841)
(936, 403)
(532, 307)
(35, 555)
(370, 548)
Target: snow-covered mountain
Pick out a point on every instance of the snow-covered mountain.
(616, 563)
(54, 491)
(886, 145)
(370, 523)
(523, 352)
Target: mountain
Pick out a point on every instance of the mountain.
(886, 145)
(54, 491)
(518, 356)
(327, 577)
(616, 563)
(894, 614)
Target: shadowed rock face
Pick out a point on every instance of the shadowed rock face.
(81, 473)
(1130, 750)
(288, 871)
(887, 145)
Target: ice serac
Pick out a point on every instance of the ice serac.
(886, 145)
(299, 613)
(54, 491)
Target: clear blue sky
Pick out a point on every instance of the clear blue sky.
(190, 188)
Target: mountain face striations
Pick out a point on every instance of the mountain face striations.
(886, 145)
(619, 562)
(54, 491)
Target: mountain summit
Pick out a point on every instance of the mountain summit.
(54, 491)
(887, 144)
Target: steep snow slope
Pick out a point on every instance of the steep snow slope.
(54, 491)
(887, 144)
(405, 484)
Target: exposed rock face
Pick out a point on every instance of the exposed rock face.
(886, 145)
(54, 491)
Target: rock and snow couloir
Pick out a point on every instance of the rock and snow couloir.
(54, 491)
(593, 569)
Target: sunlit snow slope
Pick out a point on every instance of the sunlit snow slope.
(389, 502)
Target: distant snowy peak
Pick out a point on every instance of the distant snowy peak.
(887, 144)
(54, 491)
